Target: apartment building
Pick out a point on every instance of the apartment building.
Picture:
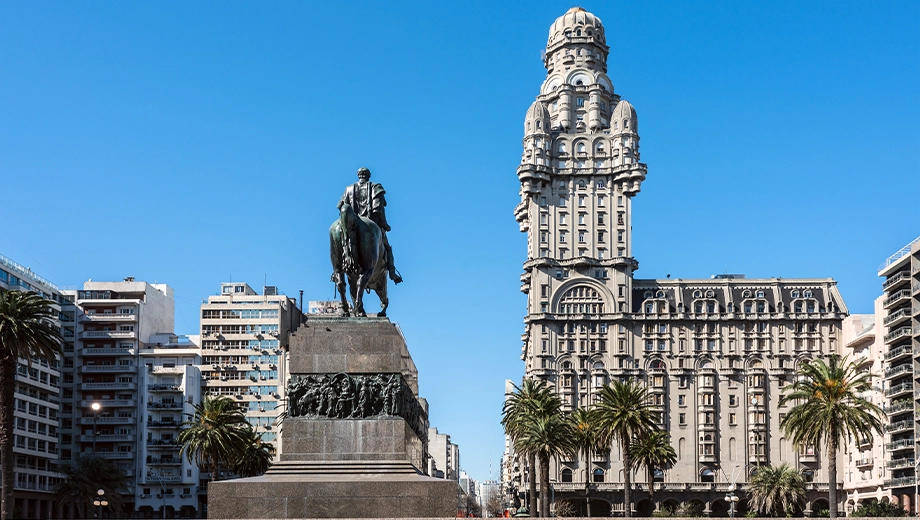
(244, 340)
(444, 461)
(37, 405)
(115, 322)
(900, 317)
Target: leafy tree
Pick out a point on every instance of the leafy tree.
(83, 477)
(26, 332)
(654, 451)
(565, 508)
(587, 441)
(776, 490)
(215, 433)
(829, 409)
(624, 414)
(255, 457)
(875, 508)
(530, 400)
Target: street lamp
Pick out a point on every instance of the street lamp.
(159, 478)
(100, 502)
(96, 407)
(731, 497)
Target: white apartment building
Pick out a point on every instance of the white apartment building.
(115, 322)
(37, 404)
(444, 456)
(244, 340)
(170, 386)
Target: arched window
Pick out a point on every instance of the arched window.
(626, 123)
(539, 124)
(707, 475)
(598, 475)
(561, 147)
(566, 475)
(581, 300)
(581, 148)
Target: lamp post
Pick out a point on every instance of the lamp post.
(159, 479)
(100, 502)
(96, 407)
(731, 497)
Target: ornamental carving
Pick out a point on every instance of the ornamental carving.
(356, 396)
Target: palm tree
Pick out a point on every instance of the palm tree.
(26, 332)
(547, 436)
(256, 457)
(587, 442)
(830, 409)
(654, 451)
(776, 490)
(532, 399)
(86, 475)
(214, 434)
(624, 414)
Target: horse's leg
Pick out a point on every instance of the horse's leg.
(384, 302)
(363, 280)
(356, 303)
(340, 285)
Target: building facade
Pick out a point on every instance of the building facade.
(37, 405)
(715, 353)
(444, 461)
(900, 317)
(244, 340)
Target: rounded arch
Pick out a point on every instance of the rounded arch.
(656, 363)
(706, 363)
(551, 83)
(601, 79)
(606, 297)
(707, 475)
(566, 475)
(577, 76)
(755, 363)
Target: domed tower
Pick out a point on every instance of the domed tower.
(579, 172)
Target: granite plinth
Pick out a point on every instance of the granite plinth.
(383, 438)
(351, 346)
(333, 496)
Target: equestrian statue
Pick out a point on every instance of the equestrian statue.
(359, 249)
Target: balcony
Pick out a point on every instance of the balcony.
(106, 369)
(899, 352)
(906, 368)
(112, 385)
(905, 462)
(900, 482)
(165, 479)
(900, 389)
(865, 462)
(896, 298)
(899, 426)
(110, 334)
(164, 461)
(110, 403)
(899, 406)
(107, 352)
(896, 280)
(107, 438)
(115, 454)
(162, 424)
(897, 334)
(162, 444)
(165, 405)
(896, 317)
(107, 317)
(900, 444)
(107, 420)
(161, 387)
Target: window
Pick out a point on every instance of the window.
(598, 475)
(579, 101)
(566, 475)
(682, 418)
(681, 400)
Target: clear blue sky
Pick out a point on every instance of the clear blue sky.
(189, 143)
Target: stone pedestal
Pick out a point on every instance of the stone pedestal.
(354, 445)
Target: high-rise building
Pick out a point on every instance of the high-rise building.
(244, 340)
(445, 456)
(900, 316)
(106, 383)
(715, 353)
(37, 403)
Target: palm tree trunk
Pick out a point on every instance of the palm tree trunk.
(832, 478)
(7, 433)
(544, 484)
(532, 483)
(627, 480)
(588, 482)
(651, 483)
(215, 466)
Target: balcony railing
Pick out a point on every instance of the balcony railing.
(900, 482)
(868, 461)
(901, 444)
(107, 351)
(900, 463)
(896, 316)
(109, 403)
(900, 425)
(900, 369)
(115, 454)
(896, 297)
(108, 317)
(899, 406)
(114, 334)
(107, 420)
(897, 333)
(115, 385)
(107, 369)
(899, 389)
(898, 352)
(894, 279)
(162, 387)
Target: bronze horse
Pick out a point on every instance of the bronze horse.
(357, 252)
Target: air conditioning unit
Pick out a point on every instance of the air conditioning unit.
(223, 378)
(273, 367)
(261, 409)
(159, 495)
(253, 378)
(143, 495)
(215, 367)
(262, 378)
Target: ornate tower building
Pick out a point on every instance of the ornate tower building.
(715, 353)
